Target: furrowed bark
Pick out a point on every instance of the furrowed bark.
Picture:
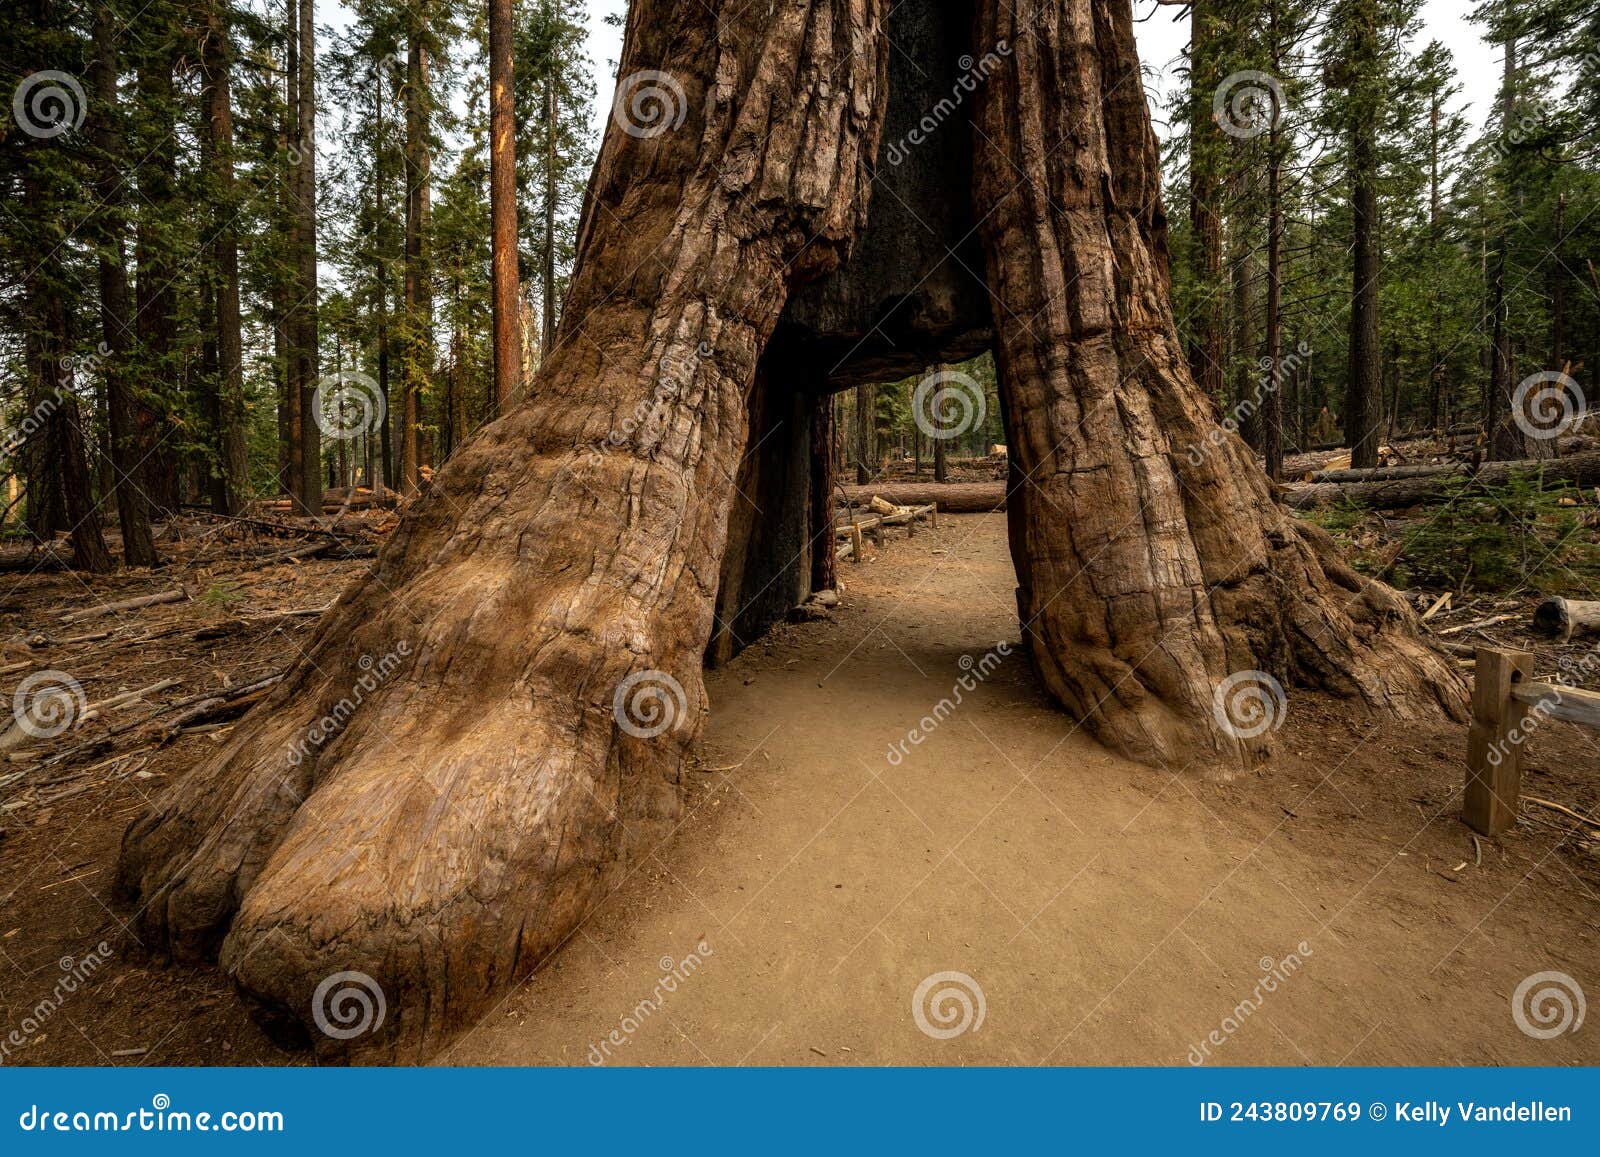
(116, 323)
(1152, 560)
(451, 829)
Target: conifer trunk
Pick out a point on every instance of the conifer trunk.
(492, 784)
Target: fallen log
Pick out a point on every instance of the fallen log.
(123, 605)
(1580, 469)
(1562, 618)
(34, 562)
(1384, 473)
(952, 497)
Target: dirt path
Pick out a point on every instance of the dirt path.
(1328, 910)
(1107, 912)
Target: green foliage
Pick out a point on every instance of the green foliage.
(222, 595)
(1518, 535)
(1521, 535)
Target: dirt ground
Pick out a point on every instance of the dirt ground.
(1328, 909)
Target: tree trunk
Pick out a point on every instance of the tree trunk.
(1161, 585)
(1243, 270)
(286, 283)
(824, 551)
(1363, 401)
(306, 310)
(1207, 336)
(385, 458)
(549, 279)
(1558, 288)
(1435, 222)
(156, 297)
(231, 449)
(866, 406)
(1509, 423)
(52, 396)
(417, 365)
(1271, 419)
(489, 790)
(503, 207)
(116, 321)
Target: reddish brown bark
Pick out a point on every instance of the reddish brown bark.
(233, 462)
(503, 207)
(1152, 558)
(484, 794)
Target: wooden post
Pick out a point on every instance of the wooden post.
(1494, 744)
(855, 542)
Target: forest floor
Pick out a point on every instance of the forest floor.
(1098, 911)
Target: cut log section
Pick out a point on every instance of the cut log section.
(1562, 618)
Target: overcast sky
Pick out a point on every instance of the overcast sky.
(1161, 40)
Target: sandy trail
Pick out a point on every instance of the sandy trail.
(1109, 913)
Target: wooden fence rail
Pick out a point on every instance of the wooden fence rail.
(1507, 706)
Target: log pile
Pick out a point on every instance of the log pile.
(951, 497)
(885, 514)
(1395, 488)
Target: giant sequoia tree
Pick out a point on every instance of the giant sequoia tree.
(458, 770)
